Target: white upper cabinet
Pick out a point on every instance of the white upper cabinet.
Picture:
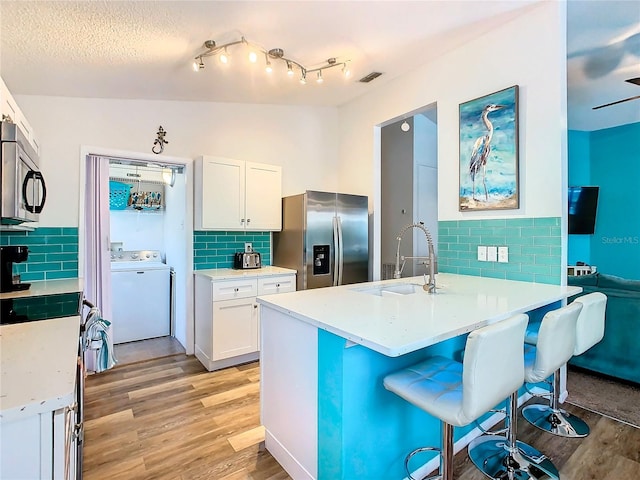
(9, 109)
(237, 195)
(263, 197)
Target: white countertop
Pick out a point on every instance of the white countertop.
(397, 324)
(232, 274)
(47, 287)
(38, 361)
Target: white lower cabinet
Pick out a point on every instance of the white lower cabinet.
(235, 328)
(38, 447)
(227, 317)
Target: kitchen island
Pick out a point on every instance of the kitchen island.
(39, 362)
(324, 353)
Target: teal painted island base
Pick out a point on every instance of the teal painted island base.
(323, 405)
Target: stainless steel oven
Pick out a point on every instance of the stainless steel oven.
(23, 189)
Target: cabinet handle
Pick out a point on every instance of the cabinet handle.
(277, 285)
(248, 220)
(242, 220)
(236, 290)
(255, 306)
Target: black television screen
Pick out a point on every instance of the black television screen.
(583, 203)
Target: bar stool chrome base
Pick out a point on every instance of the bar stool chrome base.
(555, 421)
(493, 457)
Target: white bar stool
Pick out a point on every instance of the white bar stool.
(459, 393)
(556, 341)
(589, 331)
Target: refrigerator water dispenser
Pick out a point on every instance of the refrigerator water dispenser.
(321, 259)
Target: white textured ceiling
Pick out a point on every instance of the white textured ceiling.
(144, 49)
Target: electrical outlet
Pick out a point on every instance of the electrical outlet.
(503, 254)
(482, 253)
(492, 254)
(248, 247)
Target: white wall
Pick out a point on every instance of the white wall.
(529, 51)
(297, 138)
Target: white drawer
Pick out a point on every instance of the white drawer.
(231, 289)
(281, 284)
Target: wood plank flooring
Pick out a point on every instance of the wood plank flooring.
(168, 418)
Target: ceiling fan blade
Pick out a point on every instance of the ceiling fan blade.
(615, 103)
(635, 81)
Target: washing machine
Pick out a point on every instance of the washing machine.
(141, 295)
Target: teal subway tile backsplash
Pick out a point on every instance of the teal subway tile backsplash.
(534, 248)
(53, 252)
(216, 249)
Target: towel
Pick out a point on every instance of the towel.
(96, 339)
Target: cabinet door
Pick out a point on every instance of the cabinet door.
(263, 197)
(235, 328)
(220, 192)
(8, 105)
(26, 448)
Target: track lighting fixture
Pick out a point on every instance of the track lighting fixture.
(213, 49)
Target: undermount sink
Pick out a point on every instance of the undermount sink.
(390, 290)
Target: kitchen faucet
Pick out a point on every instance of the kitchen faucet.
(430, 285)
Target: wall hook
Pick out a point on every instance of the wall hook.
(159, 142)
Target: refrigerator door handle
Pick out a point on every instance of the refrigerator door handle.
(340, 250)
(336, 248)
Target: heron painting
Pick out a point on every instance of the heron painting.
(489, 152)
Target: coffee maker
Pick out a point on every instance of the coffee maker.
(8, 256)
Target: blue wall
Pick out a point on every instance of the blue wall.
(579, 246)
(615, 167)
(53, 253)
(215, 249)
(535, 247)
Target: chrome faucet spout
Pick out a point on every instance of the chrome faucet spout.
(430, 283)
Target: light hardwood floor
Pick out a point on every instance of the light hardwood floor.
(168, 418)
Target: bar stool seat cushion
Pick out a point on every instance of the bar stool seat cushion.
(590, 327)
(459, 393)
(555, 343)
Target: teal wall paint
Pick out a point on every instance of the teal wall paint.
(615, 167)
(579, 246)
(216, 249)
(535, 248)
(365, 431)
(53, 253)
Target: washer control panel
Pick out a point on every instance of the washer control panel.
(136, 256)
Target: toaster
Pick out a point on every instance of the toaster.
(246, 260)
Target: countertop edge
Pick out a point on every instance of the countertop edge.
(218, 274)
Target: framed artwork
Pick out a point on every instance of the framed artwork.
(489, 152)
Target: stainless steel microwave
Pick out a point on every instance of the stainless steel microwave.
(23, 189)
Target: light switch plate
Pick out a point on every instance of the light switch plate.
(482, 253)
(492, 254)
(248, 247)
(503, 254)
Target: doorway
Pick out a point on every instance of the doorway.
(166, 229)
(408, 188)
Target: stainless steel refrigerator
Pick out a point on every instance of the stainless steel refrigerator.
(325, 238)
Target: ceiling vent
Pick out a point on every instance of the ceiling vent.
(371, 76)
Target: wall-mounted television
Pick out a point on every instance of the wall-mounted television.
(583, 204)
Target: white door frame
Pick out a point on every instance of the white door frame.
(86, 150)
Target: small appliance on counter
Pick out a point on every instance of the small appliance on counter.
(8, 256)
(246, 260)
